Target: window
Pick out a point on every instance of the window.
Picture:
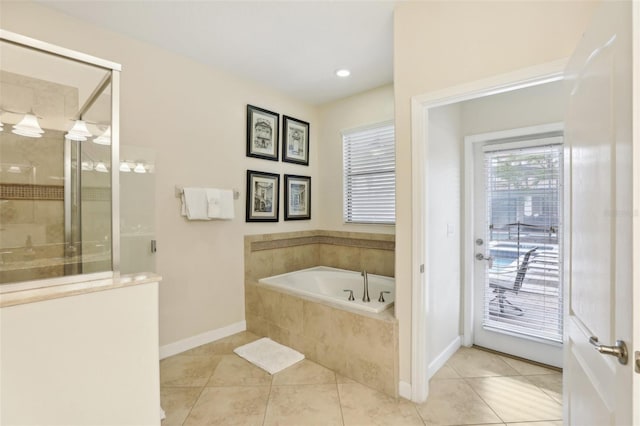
(369, 164)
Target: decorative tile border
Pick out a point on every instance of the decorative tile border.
(348, 241)
(358, 242)
(18, 191)
(287, 242)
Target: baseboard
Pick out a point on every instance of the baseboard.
(404, 390)
(443, 357)
(201, 339)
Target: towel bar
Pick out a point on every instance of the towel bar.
(178, 192)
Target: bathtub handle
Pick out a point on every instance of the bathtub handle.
(381, 298)
(350, 294)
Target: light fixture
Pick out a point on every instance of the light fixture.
(87, 166)
(101, 167)
(78, 132)
(28, 127)
(1, 126)
(343, 73)
(139, 168)
(124, 167)
(14, 169)
(104, 138)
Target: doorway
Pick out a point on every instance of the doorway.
(445, 236)
(600, 387)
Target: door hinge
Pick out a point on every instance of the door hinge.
(637, 364)
(422, 268)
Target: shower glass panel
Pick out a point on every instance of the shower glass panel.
(55, 171)
(137, 209)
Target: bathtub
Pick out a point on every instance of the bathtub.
(328, 284)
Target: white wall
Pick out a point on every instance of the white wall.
(532, 106)
(193, 117)
(371, 107)
(90, 359)
(440, 44)
(444, 192)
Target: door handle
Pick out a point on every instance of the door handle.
(480, 256)
(619, 350)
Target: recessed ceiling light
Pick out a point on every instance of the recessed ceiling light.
(343, 73)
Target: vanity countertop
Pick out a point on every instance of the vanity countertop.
(33, 295)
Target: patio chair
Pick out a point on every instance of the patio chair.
(500, 288)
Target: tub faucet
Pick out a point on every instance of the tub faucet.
(365, 293)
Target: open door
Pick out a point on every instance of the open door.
(599, 339)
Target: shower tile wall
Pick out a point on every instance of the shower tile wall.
(362, 347)
(31, 218)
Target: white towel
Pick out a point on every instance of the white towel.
(220, 203)
(195, 203)
(269, 355)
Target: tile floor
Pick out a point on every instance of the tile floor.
(210, 385)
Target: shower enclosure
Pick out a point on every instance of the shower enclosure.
(59, 165)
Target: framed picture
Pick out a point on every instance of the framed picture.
(262, 196)
(295, 141)
(262, 133)
(297, 194)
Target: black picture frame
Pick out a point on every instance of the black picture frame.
(263, 127)
(297, 197)
(263, 196)
(295, 140)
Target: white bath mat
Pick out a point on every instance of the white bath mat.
(269, 355)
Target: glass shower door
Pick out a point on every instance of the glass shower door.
(137, 209)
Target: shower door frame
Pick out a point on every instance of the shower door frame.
(114, 70)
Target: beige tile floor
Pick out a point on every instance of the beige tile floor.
(210, 385)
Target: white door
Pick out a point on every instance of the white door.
(517, 211)
(598, 389)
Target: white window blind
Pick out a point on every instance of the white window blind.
(524, 215)
(369, 162)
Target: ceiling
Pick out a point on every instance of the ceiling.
(292, 46)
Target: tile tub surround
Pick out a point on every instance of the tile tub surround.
(363, 347)
(273, 254)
